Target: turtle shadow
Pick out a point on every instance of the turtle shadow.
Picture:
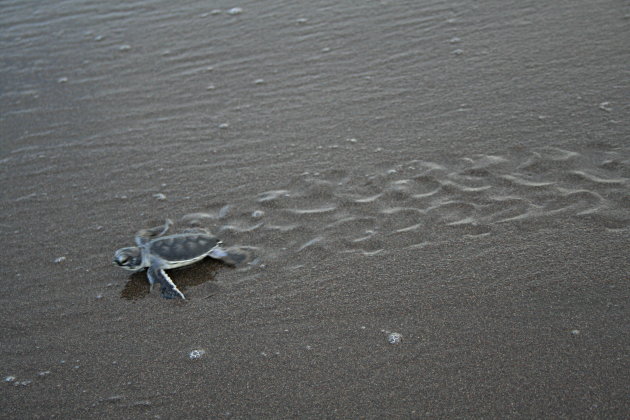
(193, 275)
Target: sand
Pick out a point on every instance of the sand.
(456, 173)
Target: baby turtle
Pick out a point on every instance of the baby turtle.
(157, 253)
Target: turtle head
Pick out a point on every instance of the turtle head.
(129, 258)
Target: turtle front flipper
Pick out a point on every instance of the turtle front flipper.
(197, 230)
(168, 288)
(145, 235)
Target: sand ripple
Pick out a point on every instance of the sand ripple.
(418, 203)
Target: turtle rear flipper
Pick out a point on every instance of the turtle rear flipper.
(168, 288)
(231, 256)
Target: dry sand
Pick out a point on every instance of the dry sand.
(456, 172)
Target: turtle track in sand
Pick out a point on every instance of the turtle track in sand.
(417, 203)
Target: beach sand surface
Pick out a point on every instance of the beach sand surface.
(433, 196)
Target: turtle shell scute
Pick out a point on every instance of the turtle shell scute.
(183, 248)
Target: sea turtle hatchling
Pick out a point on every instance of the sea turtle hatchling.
(157, 253)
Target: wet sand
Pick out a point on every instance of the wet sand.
(456, 173)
